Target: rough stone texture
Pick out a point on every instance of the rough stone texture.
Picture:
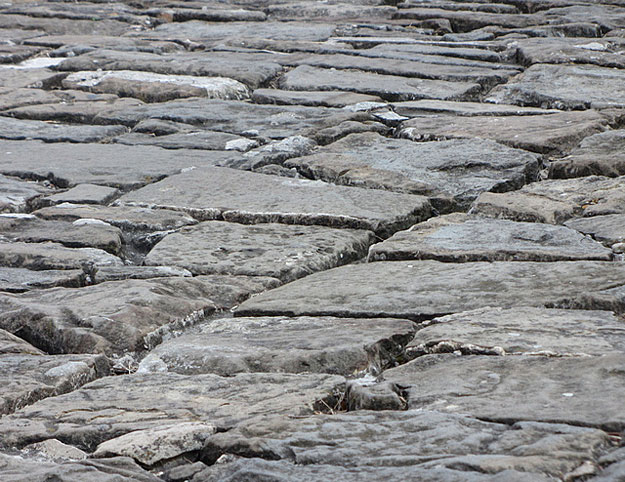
(555, 201)
(290, 345)
(425, 289)
(414, 108)
(518, 388)
(276, 250)
(460, 238)
(209, 140)
(602, 154)
(17, 196)
(97, 163)
(222, 193)
(312, 98)
(433, 169)
(84, 194)
(14, 129)
(609, 229)
(115, 406)
(564, 87)
(551, 133)
(118, 273)
(599, 51)
(120, 316)
(523, 330)
(18, 280)
(52, 449)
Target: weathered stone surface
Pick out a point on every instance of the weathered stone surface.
(120, 316)
(84, 194)
(442, 446)
(17, 196)
(389, 87)
(564, 87)
(466, 20)
(414, 108)
(598, 51)
(336, 11)
(522, 330)
(192, 139)
(18, 469)
(285, 345)
(43, 256)
(123, 217)
(425, 289)
(97, 163)
(118, 273)
(72, 26)
(208, 14)
(12, 345)
(312, 98)
(433, 169)
(13, 98)
(79, 44)
(518, 388)
(158, 444)
(602, 155)
(19, 78)
(151, 87)
(551, 133)
(276, 250)
(14, 129)
(52, 449)
(115, 406)
(608, 229)
(222, 193)
(460, 238)
(18, 280)
(555, 201)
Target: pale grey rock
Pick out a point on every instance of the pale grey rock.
(13, 345)
(415, 108)
(207, 14)
(20, 97)
(605, 52)
(311, 98)
(555, 201)
(276, 152)
(522, 330)
(510, 389)
(285, 345)
(78, 44)
(254, 198)
(276, 250)
(114, 406)
(467, 20)
(121, 316)
(433, 169)
(389, 87)
(21, 78)
(460, 238)
(195, 139)
(14, 129)
(118, 273)
(337, 11)
(608, 229)
(151, 446)
(602, 155)
(84, 194)
(18, 280)
(564, 87)
(53, 449)
(553, 133)
(17, 196)
(420, 290)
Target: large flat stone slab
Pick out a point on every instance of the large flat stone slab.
(598, 51)
(276, 250)
(16, 129)
(97, 163)
(602, 155)
(284, 345)
(17, 196)
(433, 169)
(460, 238)
(555, 201)
(553, 133)
(222, 193)
(518, 388)
(420, 290)
(18, 280)
(389, 87)
(442, 446)
(608, 229)
(120, 316)
(312, 98)
(415, 108)
(523, 330)
(564, 87)
(114, 406)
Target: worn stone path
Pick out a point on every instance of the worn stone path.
(289, 240)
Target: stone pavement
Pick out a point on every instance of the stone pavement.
(286, 240)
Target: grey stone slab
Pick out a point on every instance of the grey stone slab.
(18, 469)
(510, 389)
(605, 52)
(433, 169)
(103, 164)
(85, 194)
(54, 450)
(18, 280)
(522, 330)
(30, 229)
(13, 98)
(553, 133)
(114, 406)
(12, 54)
(608, 229)
(284, 345)
(420, 290)
(339, 11)
(253, 198)
(17, 196)
(44, 256)
(415, 108)
(461, 238)
(130, 218)
(602, 155)
(195, 139)
(14, 129)
(118, 273)
(79, 44)
(311, 98)
(608, 17)
(389, 87)
(95, 13)
(65, 26)
(276, 250)
(27, 378)
(466, 20)
(441, 446)
(564, 87)
(208, 14)
(13, 345)
(17, 35)
(22, 78)
(121, 316)
(555, 200)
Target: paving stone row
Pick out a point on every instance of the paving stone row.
(286, 240)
